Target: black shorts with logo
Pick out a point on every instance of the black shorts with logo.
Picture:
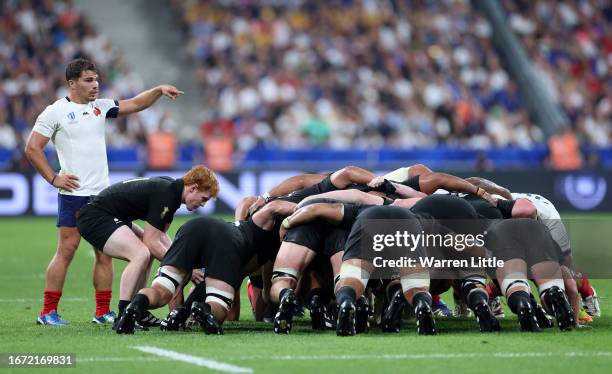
(97, 225)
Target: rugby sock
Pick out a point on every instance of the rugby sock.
(435, 299)
(515, 299)
(345, 293)
(103, 299)
(474, 295)
(122, 305)
(197, 294)
(51, 299)
(424, 297)
(585, 289)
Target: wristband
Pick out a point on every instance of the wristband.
(267, 197)
(53, 179)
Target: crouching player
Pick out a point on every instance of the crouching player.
(106, 221)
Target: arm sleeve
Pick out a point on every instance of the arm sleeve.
(46, 124)
(350, 214)
(109, 108)
(413, 182)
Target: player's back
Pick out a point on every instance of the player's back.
(131, 199)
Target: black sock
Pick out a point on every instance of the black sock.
(392, 289)
(122, 305)
(515, 300)
(421, 297)
(140, 302)
(345, 293)
(198, 294)
(312, 293)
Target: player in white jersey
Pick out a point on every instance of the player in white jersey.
(549, 215)
(76, 125)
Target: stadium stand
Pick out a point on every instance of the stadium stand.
(414, 79)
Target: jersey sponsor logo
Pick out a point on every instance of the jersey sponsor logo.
(164, 212)
(85, 113)
(71, 115)
(97, 111)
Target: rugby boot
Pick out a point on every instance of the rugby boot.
(561, 308)
(544, 320)
(175, 320)
(201, 312)
(485, 318)
(345, 326)
(127, 321)
(363, 312)
(283, 320)
(317, 313)
(527, 318)
(392, 317)
(426, 325)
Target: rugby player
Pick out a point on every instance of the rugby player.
(76, 126)
(106, 221)
(227, 252)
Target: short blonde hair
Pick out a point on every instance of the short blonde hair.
(203, 178)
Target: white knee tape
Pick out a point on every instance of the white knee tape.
(398, 175)
(168, 279)
(217, 296)
(352, 271)
(279, 273)
(415, 280)
(551, 283)
(515, 278)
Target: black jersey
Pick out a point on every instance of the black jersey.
(154, 200)
(222, 248)
(413, 182)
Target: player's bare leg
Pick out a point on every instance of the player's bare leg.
(125, 245)
(55, 276)
(290, 262)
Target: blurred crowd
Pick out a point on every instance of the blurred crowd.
(37, 39)
(355, 73)
(369, 73)
(570, 43)
(339, 74)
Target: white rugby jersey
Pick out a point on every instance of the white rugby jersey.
(77, 130)
(549, 215)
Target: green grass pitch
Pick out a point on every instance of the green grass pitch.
(27, 244)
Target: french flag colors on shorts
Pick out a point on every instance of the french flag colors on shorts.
(68, 207)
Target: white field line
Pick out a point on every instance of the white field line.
(195, 360)
(414, 356)
(426, 356)
(35, 300)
